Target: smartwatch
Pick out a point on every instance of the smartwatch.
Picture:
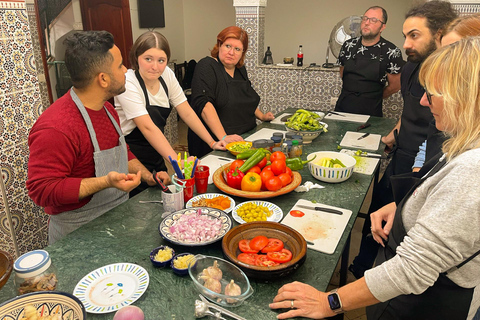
(335, 302)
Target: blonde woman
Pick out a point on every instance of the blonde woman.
(429, 267)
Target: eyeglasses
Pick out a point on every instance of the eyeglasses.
(372, 20)
(429, 95)
(236, 50)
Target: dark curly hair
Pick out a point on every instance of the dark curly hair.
(87, 54)
(438, 14)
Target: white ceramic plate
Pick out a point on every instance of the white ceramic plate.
(210, 196)
(112, 287)
(171, 219)
(277, 213)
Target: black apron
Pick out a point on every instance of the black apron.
(362, 89)
(237, 116)
(443, 300)
(415, 124)
(139, 146)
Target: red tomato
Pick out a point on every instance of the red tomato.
(269, 168)
(277, 155)
(255, 169)
(273, 184)
(280, 256)
(262, 261)
(278, 167)
(244, 246)
(265, 175)
(285, 178)
(289, 171)
(262, 163)
(273, 245)
(297, 213)
(248, 258)
(237, 163)
(258, 243)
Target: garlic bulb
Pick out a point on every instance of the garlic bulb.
(213, 272)
(212, 284)
(232, 289)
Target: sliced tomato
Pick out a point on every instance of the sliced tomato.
(258, 243)
(262, 261)
(280, 256)
(248, 258)
(244, 246)
(273, 245)
(297, 213)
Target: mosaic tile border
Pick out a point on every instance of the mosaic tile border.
(12, 5)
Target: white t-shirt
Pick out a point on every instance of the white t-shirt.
(131, 103)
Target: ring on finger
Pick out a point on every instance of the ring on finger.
(291, 304)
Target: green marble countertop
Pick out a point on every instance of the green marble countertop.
(129, 232)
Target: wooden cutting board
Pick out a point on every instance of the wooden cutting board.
(323, 229)
(371, 142)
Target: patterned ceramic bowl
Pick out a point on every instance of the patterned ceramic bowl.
(308, 136)
(50, 302)
(332, 175)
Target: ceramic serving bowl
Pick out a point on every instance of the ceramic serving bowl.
(308, 136)
(160, 264)
(229, 272)
(292, 240)
(49, 303)
(332, 175)
(6, 267)
(181, 271)
(238, 147)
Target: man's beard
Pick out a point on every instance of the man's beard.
(421, 56)
(370, 35)
(115, 89)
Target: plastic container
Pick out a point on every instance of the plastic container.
(296, 150)
(201, 179)
(34, 271)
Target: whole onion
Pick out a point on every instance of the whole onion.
(129, 313)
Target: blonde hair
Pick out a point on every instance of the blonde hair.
(453, 72)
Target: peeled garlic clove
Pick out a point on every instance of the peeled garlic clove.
(232, 289)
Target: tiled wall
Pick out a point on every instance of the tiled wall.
(285, 87)
(20, 106)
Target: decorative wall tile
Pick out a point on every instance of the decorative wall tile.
(6, 241)
(14, 166)
(37, 240)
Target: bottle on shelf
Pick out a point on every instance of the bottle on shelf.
(268, 59)
(300, 56)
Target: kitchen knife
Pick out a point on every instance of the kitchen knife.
(337, 114)
(363, 126)
(321, 209)
(375, 156)
(364, 136)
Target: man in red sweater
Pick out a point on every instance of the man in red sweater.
(80, 166)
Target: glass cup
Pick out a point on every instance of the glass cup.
(172, 201)
(201, 178)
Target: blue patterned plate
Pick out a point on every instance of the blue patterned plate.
(112, 287)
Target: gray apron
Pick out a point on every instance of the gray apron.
(114, 159)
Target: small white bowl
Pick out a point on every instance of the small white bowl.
(332, 175)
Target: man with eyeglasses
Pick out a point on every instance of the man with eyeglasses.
(370, 67)
(422, 30)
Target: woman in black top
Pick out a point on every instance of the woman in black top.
(222, 95)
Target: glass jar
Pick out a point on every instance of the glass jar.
(269, 145)
(34, 271)
(277, 141)
(285, 149)
(296, 150)
(260, 143)
(278, 134)
(289, 135)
